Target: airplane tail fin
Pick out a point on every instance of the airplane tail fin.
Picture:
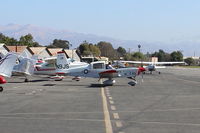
(7, 63)
(62, 63)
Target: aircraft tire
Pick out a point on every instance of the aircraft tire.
(26, 80)
(58, 79)
(1, 88)
(159, 72)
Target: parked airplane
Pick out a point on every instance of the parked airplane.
(95, 70)
(48, 67)
(6, 67)
(151, 66)
(25, 67)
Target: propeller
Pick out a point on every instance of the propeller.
(141, 71)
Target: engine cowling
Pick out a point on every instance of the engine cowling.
(151, 68)
(2, 80)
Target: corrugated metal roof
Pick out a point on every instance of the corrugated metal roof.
(72, 54)
(37, 50)
(54, 51)
(18, 49)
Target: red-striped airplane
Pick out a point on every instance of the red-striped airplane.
(95, 70)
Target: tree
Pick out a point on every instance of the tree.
(58, 43)
(28, 40)
(128, 57)
(7, 40)
(121, 51)
(94, 49)
(162, 56)
(86, 49)
(189, 61)
(176, 56)
(138, 56)
(107, 50)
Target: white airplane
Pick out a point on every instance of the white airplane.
(25, 67)
(151, 66)
(95, 70)
(47, 67)
(6, 66)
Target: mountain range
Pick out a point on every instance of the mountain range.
(45, 36)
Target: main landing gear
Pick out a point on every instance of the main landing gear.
(1, 88)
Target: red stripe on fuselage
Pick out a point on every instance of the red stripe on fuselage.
(46, 69)
(108, 71)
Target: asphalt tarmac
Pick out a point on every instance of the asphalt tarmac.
(165, 103)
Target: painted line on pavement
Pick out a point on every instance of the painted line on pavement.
(108, 124)
(111, 102)
(118, 124)
(116, 115)
(113, 107)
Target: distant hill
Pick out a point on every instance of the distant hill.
(46, 35)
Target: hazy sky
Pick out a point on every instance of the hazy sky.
(142, 20)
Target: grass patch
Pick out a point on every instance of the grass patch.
(190, 66)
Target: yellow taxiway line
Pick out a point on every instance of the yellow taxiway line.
(108, 124)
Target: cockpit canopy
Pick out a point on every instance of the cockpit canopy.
(98, 65)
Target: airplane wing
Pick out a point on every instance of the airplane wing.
(7, 63)
(155, 63)
(167, 63)
(158, 67)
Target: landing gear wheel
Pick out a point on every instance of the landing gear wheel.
(26, 80)
(1, 88)
(58, 79)
(159, 72)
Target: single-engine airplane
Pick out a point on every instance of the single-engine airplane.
(151, 66)
(48, 67)
(95, 70)
(6, 67)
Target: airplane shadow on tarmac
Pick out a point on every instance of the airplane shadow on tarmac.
(42, 80)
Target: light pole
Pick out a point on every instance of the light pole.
(139, 46)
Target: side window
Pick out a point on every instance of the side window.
(98, 66)
(50, 65)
